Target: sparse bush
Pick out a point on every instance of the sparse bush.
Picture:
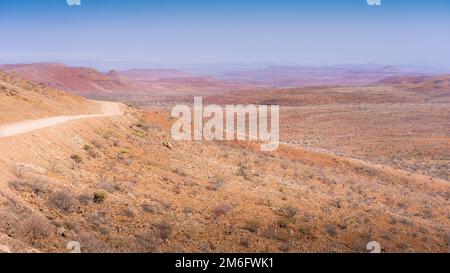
(121, 244)
(221, 210)
(18, 170)
(243, 172)
(188, 211)
(366, 171)
(63, 201)
(123, 151)
(97, 219)
(87, 148)
(216, 183)
(331, 230)
(146, 241)
(307, 174)
(92, 244)
(337, 203)
(164, 230)
(96, 144)
(128, 212)
(283, 235)
(269, 232)
(52, 164)
(285, 246)
(406, 222)
(36, 186)
(85, 199)
(90, 151)
(37, 228)
(181, 172)
(76, 158)
(143, 125)
(110, 186)
(282, 223)
(100, 196)
(245, 242)
(285, 165)
(288, 211)
(252, 225)
(149, 208)
(393, 221)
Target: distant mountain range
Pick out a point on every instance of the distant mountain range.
(83, 80)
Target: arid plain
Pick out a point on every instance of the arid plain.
(364, 160)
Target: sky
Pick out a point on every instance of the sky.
(226, 31)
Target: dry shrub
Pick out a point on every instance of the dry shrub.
(18, 170)
(85, 199)
(288, 211)
(282, 223)
(8, 223)
(111, 186)
(366, 171)
(97, 219)
(164, 230)
(37, 228)
(244, 172)
(36, 186)
(285, 246)
(90, 151)
(150, 208)
(252, 225)
(142, 124)
(283, 235)
(128, 212)
(180, 171)
(146, 242)
(63, 200)
(92, 244)
(216, 183)
(97, 144)
(244, 242)
(331, 230)
(221, 210)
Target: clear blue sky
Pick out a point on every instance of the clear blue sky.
(193, 31)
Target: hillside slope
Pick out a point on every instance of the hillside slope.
(434, 86)
(121, 185)
(21, 100)
(75, 79)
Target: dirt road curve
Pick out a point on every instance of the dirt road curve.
(108, 109)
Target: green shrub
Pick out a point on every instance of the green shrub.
(76, 158)
(100, 196)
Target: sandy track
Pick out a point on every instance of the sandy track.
(108, 109)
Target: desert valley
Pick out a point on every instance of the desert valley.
(364, 156)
